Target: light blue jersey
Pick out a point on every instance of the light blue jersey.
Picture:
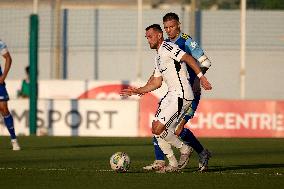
(3, 50)
(186, 43)
(3, 47)
(3, 92)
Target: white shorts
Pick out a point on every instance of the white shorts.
(170, 110)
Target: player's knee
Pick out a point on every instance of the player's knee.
(4, 110)
(157, 127)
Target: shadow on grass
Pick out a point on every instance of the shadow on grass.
(244, 167)
(88, 146)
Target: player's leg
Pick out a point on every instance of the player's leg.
(163, 126)
(159, 157)
(166, 138)
(185, 134)
(189, 138)
(8, 118)
(157, 129)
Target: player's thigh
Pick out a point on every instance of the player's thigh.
(167, 112)
(185, 109)
(4, 108)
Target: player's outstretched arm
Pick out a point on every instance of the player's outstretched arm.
(192, 63)
(152, 84)
(128, 92)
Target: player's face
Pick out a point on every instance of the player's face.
(152, 37)
(172, 28)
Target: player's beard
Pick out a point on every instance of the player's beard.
(154, 45)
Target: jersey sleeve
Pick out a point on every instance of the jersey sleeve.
(174, 51)
(157, 72)
(3, 48)
(193, 48)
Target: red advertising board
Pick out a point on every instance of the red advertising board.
(238, 118)
(214, 118)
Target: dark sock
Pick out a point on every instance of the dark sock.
(188, 137)
(158, 152)
(9, 122)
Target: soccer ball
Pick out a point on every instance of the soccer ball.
(119, 162)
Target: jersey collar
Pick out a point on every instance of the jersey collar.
(160, 46)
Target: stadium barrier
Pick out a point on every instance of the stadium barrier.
(90, 108)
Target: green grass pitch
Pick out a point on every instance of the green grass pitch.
(83, 162)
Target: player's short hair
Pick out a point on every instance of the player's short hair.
(155, 27)
(170, 16)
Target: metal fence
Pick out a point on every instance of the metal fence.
(100, 40)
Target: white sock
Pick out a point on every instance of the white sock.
(184, 149)
(168, 151)
(173, 161)
(165, 146)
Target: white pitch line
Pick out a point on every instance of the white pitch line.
(50, 169)
(109, 170)
(246, 173)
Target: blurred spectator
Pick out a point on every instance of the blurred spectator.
(24, 92)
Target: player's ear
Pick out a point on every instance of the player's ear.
(179, 25)
(160, 35)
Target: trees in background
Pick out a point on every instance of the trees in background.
(235, 4)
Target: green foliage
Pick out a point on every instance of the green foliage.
(235, 4)
(265, 4)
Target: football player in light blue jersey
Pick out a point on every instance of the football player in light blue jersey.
(186, 43)
(4, 97)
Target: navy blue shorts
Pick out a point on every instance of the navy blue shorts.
(3, 93)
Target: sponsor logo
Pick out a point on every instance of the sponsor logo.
(148, 103)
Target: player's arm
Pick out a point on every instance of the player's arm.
(149, 80)
(192, 63)
(152, 84)
(8, 62)
(205, 63)
(197, 52)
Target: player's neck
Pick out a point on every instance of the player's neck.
(159, 44)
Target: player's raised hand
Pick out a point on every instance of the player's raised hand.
(205, 83)
(128, 92)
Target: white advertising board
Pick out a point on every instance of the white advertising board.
(77, 117)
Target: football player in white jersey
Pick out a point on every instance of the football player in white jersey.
(168, 68)
(4, 97)
(185, 42)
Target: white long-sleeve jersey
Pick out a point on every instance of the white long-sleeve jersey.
(173, 72)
